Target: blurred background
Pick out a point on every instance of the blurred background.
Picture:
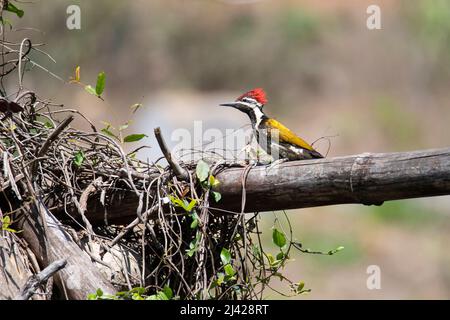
(326, 74)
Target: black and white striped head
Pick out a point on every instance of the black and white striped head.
(250, 103)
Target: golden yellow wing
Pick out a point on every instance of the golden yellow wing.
(286, 135)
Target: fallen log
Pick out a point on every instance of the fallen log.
(79, 277)
(369, 179)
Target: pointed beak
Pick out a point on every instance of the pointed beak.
(229, 104)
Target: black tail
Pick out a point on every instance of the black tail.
(315, 155)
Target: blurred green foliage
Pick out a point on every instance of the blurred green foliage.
(243, 53)
(299, 26)
(430, 23)
(433, 21)
(190, 45)
(398, 125)
(407, 213)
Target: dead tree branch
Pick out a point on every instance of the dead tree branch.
(80, 277)
(173, 163)
(37, 280)
(368, 178)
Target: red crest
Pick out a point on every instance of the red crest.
(258, 94)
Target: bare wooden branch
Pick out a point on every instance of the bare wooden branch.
(54, 135)
(80, 277)
(133, 224)
(38, 279)
(367, 178)
(82, 204)
(17, 264)
(173, 163)
(50, 140)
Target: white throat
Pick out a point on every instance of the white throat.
(258, 115)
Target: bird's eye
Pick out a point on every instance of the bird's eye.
(249, 100)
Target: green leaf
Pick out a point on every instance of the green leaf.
(100, 86)
(225, 256)
(193, 245)
(138, 290)
(168, 292)
(137, 296)
(220, 278)
(280, 256)
(134, 137)
(122, 294)
(162, 296)
(99, 292)
(202, 170)
(276, 264)
(77, 74)
(6, 221)
(132, 155)
(191, 205)
(213, 182)
(92, 296)
(278, 238)
(109, 133)
(217, 196)
(79, 158)
(190, 252)
(299, 288)
(229, 271)
(14, 9)
(195, 221)
(90, 90)
(331, 252)
(49, 125)
(270, 258)
(176, 201)
(184, 204)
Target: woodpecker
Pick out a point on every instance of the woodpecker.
(288, 146)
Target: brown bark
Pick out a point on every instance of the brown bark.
(368, 178)
(79, 276)
(16, 266)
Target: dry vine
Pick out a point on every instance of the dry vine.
(183, 249)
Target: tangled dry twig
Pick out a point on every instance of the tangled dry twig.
(177, 246)
(175, 240)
